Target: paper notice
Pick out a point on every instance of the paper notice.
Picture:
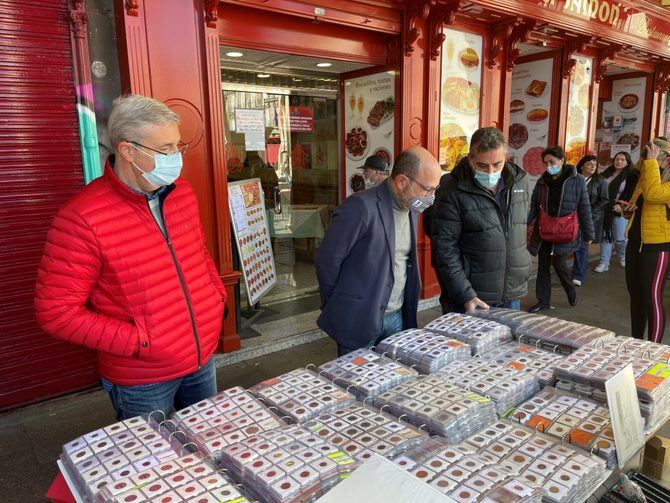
(625, 415)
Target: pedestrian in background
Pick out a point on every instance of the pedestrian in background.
(596, 187)
(621, 179)
(560, 213)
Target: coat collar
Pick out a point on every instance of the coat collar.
(466, 180)
(129, 193)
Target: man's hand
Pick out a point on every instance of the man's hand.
(473, 304)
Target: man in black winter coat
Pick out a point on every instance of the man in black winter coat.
(478, 228)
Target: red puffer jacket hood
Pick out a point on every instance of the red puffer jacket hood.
(151, 305)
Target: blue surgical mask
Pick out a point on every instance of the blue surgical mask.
(167, 168)
(487, 180)
(553, 169)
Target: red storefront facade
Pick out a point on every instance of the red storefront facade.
(170, 50)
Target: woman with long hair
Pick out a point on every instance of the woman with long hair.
(648, 250)
(596, 187)
(621, 179)
(559, 195)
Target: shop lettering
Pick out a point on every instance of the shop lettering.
(642, 26)
(375, 85)
(602, 10)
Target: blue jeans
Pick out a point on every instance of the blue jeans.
(130, 401)
(512, 304)
(619, 225)
(581, 262)
(391, 324)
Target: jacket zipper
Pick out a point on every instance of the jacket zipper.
(179, 275)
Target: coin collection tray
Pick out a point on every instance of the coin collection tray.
(361, 431)
(566, 416)
(300, 395)
(505, 386)
(443, 409)
(466, 476)
(480, 334)
(224, 419)
(286, 465)
(366, 373)
(424, 350)
(526, 359)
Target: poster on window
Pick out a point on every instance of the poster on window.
(529, 114)
(578, 110)
(628, 104)
(460, 94)
(369, 120)
(252, 237)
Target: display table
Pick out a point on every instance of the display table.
(59, 491)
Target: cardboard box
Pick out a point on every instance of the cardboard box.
(656, 462)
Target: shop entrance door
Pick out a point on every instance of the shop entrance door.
(296, 156)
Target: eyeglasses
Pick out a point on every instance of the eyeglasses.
(429, 190)
(182, 148)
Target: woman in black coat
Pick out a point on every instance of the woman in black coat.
(560, 191)
(596, 187)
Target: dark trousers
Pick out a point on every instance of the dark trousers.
(543, 283)
(639, 307)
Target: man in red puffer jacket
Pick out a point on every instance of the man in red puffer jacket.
(126, 271)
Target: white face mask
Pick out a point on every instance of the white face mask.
(167, 168)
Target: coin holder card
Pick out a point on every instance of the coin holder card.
(227, 417)
(118, 451)
(540, 459)
(458, 414)
(591, 366)
(366, 373)
(424, 350)
(179, 479)
(361, 431)
(296, 477)
(464, 475)
(301, 394)
(645, 350)
(505, 386)
(481, 335)
(526, 359)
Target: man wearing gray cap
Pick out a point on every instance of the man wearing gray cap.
(375, 171)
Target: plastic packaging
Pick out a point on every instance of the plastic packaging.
(480, 334)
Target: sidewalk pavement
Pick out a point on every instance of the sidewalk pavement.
(32, 437)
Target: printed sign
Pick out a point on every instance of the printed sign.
(529, 114)
(627, 112)
(369, 111)
(301, 119)
(252, 237)
(578, 110)
(248, 120)
(460, 94)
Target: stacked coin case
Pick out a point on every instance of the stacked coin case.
(366, 373)
(566, 473)
(505, 386)
(360, 431)
(300, 395)
(580, 421)
(287, 465)
(224, 419)
(442, 408)
(188, 478)
(426, 351)
(465, 476)
(481, 335)
(526, 359)
(115, 452)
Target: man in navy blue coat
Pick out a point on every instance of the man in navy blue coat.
(367, 262)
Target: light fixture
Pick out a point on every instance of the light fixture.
(324, 65)
(234, 54)
(263, 75)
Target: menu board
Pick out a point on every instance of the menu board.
(529, 109)
(628, 96)
(252, 236)
(578, 110)
(460, 95)
(369, 112)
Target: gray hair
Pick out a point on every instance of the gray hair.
(132, 113)
(487, 139)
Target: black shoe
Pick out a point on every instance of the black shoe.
(574, 302)
(538, 307)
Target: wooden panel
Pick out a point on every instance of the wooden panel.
(40, 163)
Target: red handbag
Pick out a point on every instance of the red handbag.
(557, 229)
